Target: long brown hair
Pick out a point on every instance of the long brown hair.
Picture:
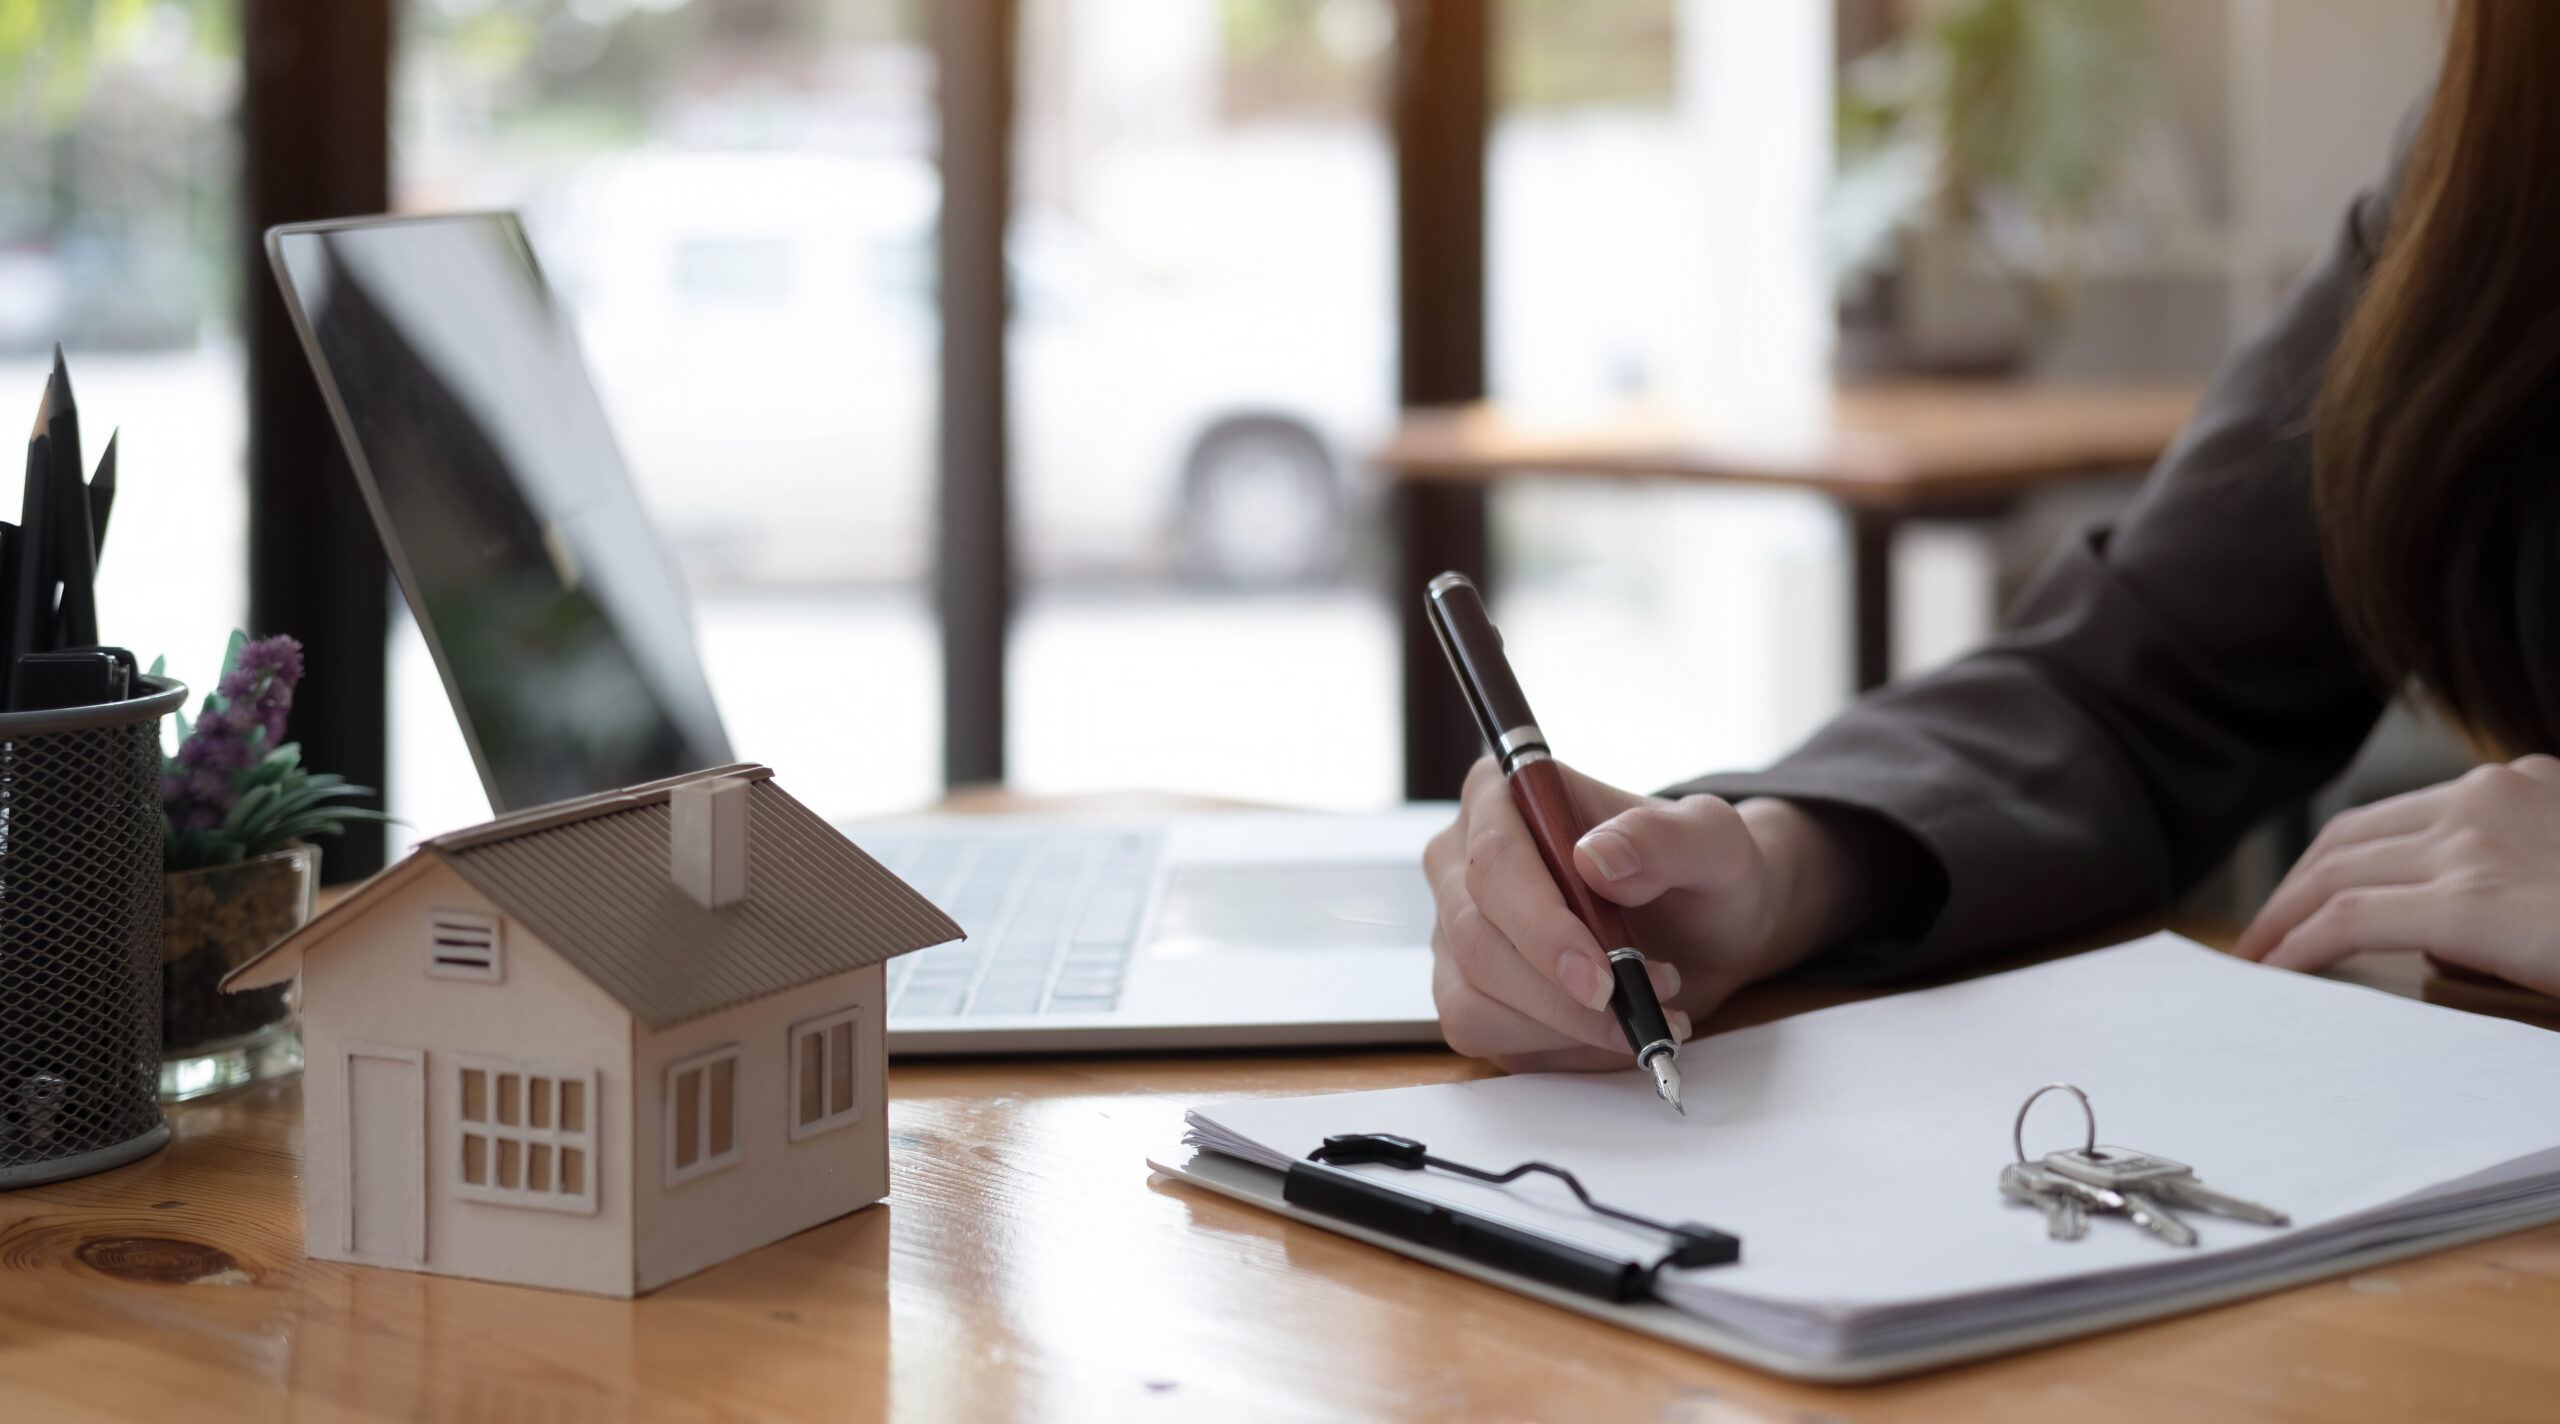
(2436, 456)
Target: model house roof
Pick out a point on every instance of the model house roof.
(590, 878)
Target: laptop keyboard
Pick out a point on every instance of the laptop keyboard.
(1051, 917)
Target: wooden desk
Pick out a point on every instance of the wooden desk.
(1891, 453)
(1026, 1267)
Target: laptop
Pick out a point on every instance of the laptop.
(561, 629)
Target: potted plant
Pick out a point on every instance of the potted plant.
(1974, 149)
(239, 812)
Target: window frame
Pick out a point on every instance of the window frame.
(706, 1163)
(495, 973)
(822, 1027)
(525, 1133)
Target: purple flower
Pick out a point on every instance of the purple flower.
(242, 721)
(279, 656)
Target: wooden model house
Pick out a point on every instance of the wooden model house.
(600, 1045)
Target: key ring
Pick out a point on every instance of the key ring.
(2018, 1132)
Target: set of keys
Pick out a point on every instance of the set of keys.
(2070, 1186)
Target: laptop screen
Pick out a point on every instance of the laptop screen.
(555, 616)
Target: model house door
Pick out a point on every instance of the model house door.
(387, 1153)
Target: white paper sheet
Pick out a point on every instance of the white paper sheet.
(1857, 1150)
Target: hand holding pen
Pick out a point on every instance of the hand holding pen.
(1537, 787)
(1726, 893)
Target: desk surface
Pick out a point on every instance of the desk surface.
(1905, 443)
(1026, 1267)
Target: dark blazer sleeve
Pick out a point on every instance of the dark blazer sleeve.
(2160, 688)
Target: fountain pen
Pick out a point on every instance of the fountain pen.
(1474, 647)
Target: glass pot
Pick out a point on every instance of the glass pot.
(215, 920)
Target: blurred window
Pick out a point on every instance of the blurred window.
(1588, 218)
(753, 271)
(1202, 350)
(1662, 630)
(1562, 55)
(737, 200)
(117, 241)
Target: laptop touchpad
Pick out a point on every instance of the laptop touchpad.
(1351, 905)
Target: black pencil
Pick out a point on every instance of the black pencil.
(102, 498)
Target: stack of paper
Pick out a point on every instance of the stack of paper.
(1857, 1151)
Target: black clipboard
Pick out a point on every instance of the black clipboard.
(1262, 1187)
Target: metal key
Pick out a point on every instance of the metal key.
(2151, 1216)
(2035, 1176)
(2065, 1218)
(2092, 1201)
(2157, 1178)
(2121, 1180)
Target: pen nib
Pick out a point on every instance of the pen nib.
(1666, 1081)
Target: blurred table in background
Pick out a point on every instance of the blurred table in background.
(1890, 453)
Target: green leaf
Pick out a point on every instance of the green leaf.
(2045, 97)
(197, 849)
(246, 810)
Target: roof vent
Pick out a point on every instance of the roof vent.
(707, 821)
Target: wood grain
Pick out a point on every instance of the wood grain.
(1027, 1267)
(1900, 445)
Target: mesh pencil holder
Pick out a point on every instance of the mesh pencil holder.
(80, 896)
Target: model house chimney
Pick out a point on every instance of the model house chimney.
(707, 823)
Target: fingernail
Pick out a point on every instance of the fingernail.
(1666, 978)
(1613, 853)
(1586, 981)
(1679, 1025)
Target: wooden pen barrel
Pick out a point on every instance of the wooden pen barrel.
(1538, 789)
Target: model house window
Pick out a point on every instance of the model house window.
(822, 1074)
(702, 1114)
(465, 945)
(525, 1134)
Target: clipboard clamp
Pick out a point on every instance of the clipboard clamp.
(1318, 1184)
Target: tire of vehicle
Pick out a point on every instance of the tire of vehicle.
(1261, 506)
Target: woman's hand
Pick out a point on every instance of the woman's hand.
(2468, 871)
(1717, 895)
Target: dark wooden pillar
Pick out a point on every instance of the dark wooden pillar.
(1442, 113)
(315, 106)
(974, 556)
(1871, 533)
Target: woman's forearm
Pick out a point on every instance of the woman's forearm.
(1814, 890)
(1835, 875)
